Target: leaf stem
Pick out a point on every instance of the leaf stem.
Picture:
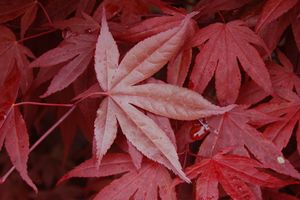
(47, 133)
(40, 140)
(36, 35)
(42, 104)
(52, 128)
(45, 12)
(78, 100)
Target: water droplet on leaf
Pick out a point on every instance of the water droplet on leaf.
(280, 160)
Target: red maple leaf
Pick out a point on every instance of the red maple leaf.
(272, 10)
(119, 84)
(179, 65)
(112, 164)
(133, 185)
(233, 129)
(13, 131)
(14, 54)
(289, 111)
(10, 10)
(76, 51)
(234, 173)
(282, 76)
(224, 46)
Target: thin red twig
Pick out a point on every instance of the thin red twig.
(45, 12)
(40, 140)
(37, 35)
(42, 104)
(95, 94)
(47, 133)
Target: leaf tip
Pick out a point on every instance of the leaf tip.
(182, 175)
(62, 179)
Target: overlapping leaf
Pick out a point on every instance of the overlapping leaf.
(233, 129)
(13, 131)
(10, 10)
(149, 27)
(14, 54)
(281, 76)
(272, 32)
(224, 47)
(133, 185)
(274, 9)
(178, 66)
(118, 82)
(280, 132)
(75, 52)
(17, 143)
(231, 54)
(233, 173)
(112, 164)
(9, 90)
(277, 15)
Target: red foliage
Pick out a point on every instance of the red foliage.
(147, 95)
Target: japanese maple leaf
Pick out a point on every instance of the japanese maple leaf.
(234, 173)
(282, 76)
(224, 47)
(126, 146)
(149, 27)
(14, 54)
(272, 32)
(289, 109)
(13, 131)
(162, 122)
(112, 164)
(10, 10)
(76, 52)
(276, 15)
(272, 10)
(132, 185)
(233, 129)
(179, 65)
(119, 85)
(274, 19)
(9, 90)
